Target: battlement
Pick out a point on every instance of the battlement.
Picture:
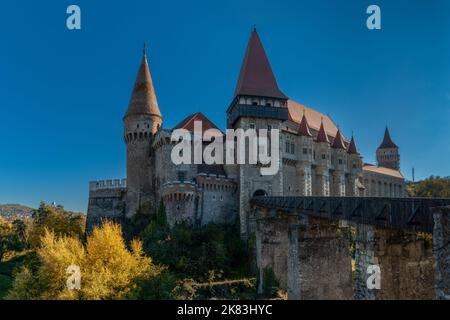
(107, 184)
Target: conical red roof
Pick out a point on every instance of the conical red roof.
(303, 129)
(352, 147)
(387, 141)
(338, 143)
(143, 99)
(256, 77)
(322, 135)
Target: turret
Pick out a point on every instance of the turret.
(388, 154)
(305, 156)
(141, 121)
(322, 160)
(339, 163)
(354, 169)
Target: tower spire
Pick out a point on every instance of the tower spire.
(256, 77)
(303, 129)
(143, 98)
(387, 141)
(338, 143)
(322, 135)
(352, 146)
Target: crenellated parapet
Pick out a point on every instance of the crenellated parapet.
(107, 184)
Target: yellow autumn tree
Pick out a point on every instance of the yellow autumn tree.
(109, 270)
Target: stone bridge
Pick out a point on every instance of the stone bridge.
(333, 247)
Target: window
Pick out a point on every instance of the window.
(292, 148)
(287, 145)
(181, 176)
(268, 104)
(255, 103)
(269, 127)
(305, 151)
(252, 126)
(324, 156)
(340, 161)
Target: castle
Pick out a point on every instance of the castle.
(316, 159)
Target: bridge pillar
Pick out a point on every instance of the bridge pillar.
(441, 251)
(404, 259)
(364, 257)
(272, 237)
(320, 261)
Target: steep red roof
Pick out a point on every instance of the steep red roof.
(321, 135)
(188, 123)
(143, 99)
(256, 77)
(338, 143)
(387, 141)
(352, 147)
(303, 129)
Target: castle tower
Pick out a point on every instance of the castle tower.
(323, 163)
(388, 154)
(258, 103)
(141, 121)
(305, 150)
(339, 163)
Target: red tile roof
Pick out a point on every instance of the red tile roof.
(315, 119)
(143, 99)
(338, 143)
(382, 170)
(352, 147)
(387, 141)
(188, 123)
(256, 77)
(321, 135)
(303, 129)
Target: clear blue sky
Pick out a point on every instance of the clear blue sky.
(63, 93)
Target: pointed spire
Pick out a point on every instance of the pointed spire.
(256, 77)
(303, 129)
(322, 135)
(338, 142)
(387, 141)
(143, 99)
(352, 147)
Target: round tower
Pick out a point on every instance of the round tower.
(141, 122)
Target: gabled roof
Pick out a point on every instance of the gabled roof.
(188, 123)
(256, 77)
(338, 143)
(352, 147)
(143, 99)
(387, 141)
(303, 129)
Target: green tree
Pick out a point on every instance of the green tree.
(56, 220)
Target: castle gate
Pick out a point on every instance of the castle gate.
(334, 247)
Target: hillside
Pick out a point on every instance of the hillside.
(15, 211)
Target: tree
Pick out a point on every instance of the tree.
(9, 241)
(109, 270)
(56, 220)
(433, 187)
